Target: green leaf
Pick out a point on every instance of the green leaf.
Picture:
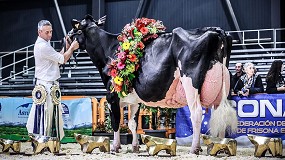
(120, 95)
(131, 77)
(125, 88)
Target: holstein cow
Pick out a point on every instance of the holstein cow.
(177, 69)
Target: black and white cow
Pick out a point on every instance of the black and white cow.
(178, 68)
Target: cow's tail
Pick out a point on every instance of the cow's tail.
(223, 119)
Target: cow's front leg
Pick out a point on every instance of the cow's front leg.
(116, 142)
(115, 114)
(193, 101)
(133, 126)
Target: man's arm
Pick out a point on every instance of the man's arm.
(74, 45)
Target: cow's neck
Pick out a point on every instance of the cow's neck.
(100, 46)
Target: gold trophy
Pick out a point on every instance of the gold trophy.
(217, 145)
(7, 144)
(263, 144)
(89, 143)
(43, 143)
(156, 144)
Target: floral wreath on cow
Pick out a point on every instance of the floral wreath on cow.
(131, 49)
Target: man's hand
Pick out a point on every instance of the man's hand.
(68, 42)
(74, 45)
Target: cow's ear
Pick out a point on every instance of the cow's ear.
(88, 16)
(75, 23)
(101, 21)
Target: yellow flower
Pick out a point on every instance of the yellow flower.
(118, 80)
(126, 45)
(124, 94)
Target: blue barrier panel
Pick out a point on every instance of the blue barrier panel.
(14, 112)
(260, 114)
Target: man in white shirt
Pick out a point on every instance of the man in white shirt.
(45, 118)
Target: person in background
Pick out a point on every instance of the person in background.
(237, 75)
(45, 117)
(249, 83)
(274, 78)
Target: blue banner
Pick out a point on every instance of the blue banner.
(260, 114)
(76, 113)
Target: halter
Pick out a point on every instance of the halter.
(69, 41)
(79, 31)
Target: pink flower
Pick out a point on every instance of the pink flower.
(121, 65)
(122, 56)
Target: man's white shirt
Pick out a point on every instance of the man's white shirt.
(47, 61)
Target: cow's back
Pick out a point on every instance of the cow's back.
(191, 49)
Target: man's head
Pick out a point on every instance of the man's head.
(45, 30)
(239, 68)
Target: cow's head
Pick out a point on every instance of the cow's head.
(79, 29)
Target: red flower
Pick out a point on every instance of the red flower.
(150, 36)
(146, 21)
(132, 57)
(121, 38)
(140, 45)
(144, 30)
(113, 73)
(118, 88)
(139, 24)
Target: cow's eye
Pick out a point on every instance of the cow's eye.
(79, 32)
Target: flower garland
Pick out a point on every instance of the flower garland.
(129, 52)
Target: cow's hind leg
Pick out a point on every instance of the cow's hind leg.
(193, 101)
(196, 119)
(133, 126)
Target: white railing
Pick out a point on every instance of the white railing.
(11, 68)
(262, 38)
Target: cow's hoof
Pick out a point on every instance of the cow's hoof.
(116, 148)
(196, 150)
(136, 149)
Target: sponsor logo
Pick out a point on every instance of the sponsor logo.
(23, 110)
(259, 108)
